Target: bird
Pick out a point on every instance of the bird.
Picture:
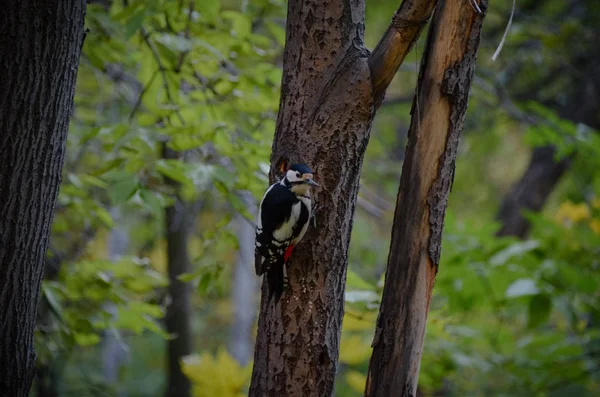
(283, 217)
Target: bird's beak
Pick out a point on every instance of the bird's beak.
(311, 182)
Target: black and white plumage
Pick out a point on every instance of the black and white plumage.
(283, 218)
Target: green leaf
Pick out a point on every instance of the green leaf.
(204, 282)
(572, 277)
(52, 300)
(241, 24)
(92, 181)
(224, 176)
(354, 281)
(183, 142)
(208, 9)
(94, 58)
(521, 287)
(513, 250)
(187, 277)
(173, 169)
(134, 24)
(104, 216)
(86, 339)
(240, 206)
(176, 43)
(109, 166)
(540, 307)
(277, 31)
(123, 190)
(151, 202)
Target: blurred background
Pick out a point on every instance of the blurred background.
(168, 153)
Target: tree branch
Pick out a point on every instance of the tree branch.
(438, 117)
(403, 32)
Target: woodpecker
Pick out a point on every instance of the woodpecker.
(283, 218)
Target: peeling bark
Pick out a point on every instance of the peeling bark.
(328, 101)
(438, 116)
(40, 46)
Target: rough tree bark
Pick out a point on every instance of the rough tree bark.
(179, 310)
(438, 116)
(40, 45)
(331, 88)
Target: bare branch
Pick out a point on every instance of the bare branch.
(512, 13)
(161, 69)
(386, 58)
(187, 36)
(369, 207)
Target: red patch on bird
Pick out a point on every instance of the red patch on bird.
(288, 253)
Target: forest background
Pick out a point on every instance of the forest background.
(515, 310)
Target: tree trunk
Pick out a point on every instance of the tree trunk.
(531, 191)
(544, 171)
(40, 45)
(331, 88)
(438, 116)
(179, 310)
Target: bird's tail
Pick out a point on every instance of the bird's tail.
(276, 281)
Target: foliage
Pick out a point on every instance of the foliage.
(522, 311)
(219, 375)
(508, 317)
(87, 293)
(197, 76)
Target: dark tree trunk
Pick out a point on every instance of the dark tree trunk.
(40, 45)
(544, 170)
(579, 103)
(438, 116)
(531, 191)
(331, 88)
(179, 310)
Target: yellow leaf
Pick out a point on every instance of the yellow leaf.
(595, 225)
(568, 212)
(158, 257)
(216, 376)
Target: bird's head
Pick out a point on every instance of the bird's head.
(299, 178)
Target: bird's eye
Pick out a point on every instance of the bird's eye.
(297, 175)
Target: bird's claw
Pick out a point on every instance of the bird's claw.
(286, 282)
(475, 6)
(313, 215)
